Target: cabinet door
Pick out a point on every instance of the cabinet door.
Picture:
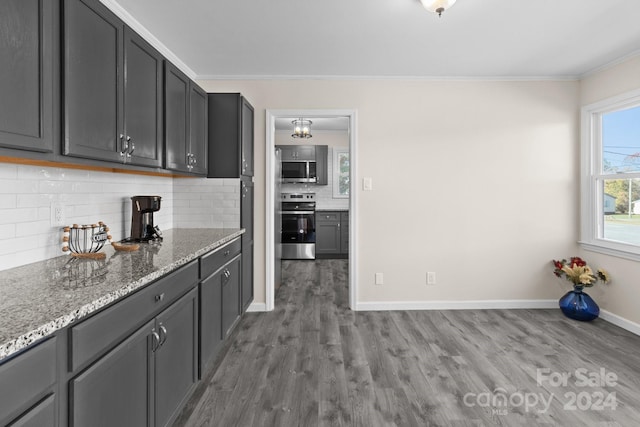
(197, 156)
(42, 415)
(117, 389)
(176, 358)
(176, 118)
(26, 74)
(287, 152)
(327, 233)
(210, 319)
(344, 232)
(305, 152)
(322, 154)
(247, 274)
(93, 90)
(230, 296)
(247, 138)
(246, 208)
(26, 379)
(142, 101)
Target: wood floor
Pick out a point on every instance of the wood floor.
(313, 362)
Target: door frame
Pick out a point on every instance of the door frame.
(270, 129)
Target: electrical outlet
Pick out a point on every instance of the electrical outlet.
(57, 214)
(379, 279)
(431, 278)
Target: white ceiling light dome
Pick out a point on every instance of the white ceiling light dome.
(437, 6)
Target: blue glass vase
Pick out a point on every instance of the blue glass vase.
(578, 305)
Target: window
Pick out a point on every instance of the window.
(341, 173)
(610, 219)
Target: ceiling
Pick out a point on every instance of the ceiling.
(509, 39)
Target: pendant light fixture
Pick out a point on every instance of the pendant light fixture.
(437, 6)
(301, 128)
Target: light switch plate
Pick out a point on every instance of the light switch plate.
(367, 183)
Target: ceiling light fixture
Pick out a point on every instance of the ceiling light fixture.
(437, 6)
(301, 128)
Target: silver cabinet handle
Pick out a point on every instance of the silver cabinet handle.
(124, 144)
(155, 341)
(132, 147)
(227, 252)
(160, 297)
(163, 335)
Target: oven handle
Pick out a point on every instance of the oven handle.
(297, 212)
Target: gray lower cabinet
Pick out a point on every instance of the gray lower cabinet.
(246, 222)
(231, 310)
(42, 415)
(27, 386)
(176, 357)
(117, 389)
(219, 299)
(332, 234)
(146, 379)
(27, 70)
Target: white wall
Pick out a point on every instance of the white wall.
(26, 194)
(475, 180)
(622, 296)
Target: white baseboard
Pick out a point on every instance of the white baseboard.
(454, 305)
(630, 326)
(257, 306)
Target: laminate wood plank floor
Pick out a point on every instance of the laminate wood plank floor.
(314, 362)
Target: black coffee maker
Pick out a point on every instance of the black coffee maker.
(142, 228)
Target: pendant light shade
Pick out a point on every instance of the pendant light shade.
(437, 6)
(301, 128)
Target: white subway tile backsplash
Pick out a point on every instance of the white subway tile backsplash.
(26, 194)
(8, 201)
(8, 171)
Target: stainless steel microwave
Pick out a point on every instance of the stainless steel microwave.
(299, 171)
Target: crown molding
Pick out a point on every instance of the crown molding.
(611, 64)
(121, 13)
(397, 78)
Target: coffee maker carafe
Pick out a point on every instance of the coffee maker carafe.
(142, 228)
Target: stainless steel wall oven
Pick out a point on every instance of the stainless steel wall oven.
(298, 212)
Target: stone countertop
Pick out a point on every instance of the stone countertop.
(40, 298)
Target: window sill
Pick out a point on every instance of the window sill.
(609, 248)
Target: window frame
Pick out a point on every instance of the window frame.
(337, 152)
(593, 176)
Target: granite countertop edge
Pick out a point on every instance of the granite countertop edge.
(13, 346)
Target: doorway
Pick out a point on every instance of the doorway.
(272, 206)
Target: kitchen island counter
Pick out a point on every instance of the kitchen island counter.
(38, 299)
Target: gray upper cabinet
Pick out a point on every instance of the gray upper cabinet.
(198, 129)
(176, 118)
(27, 74)
(108, 116)
(231, 136)
(322, 154)
(185, 112)
(143, 101)
(297, 152)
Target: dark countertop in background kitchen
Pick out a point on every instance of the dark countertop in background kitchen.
(40, 298)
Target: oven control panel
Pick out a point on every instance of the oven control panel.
(295, 197)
